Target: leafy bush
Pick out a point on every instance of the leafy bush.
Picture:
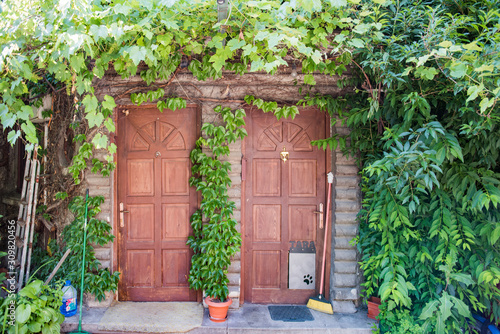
(97, 280)
(36, 310)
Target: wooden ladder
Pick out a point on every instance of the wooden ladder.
(26, 216)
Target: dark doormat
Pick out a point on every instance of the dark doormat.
(290, 313)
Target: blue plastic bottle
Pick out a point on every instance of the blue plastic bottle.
(68, 307)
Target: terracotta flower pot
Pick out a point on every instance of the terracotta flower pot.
(218, 310)
(373, 310)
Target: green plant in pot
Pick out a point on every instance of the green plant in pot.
(215, 238)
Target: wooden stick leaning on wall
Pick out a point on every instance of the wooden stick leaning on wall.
(59, 264)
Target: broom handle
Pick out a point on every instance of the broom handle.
(83, 259)
(323, 261)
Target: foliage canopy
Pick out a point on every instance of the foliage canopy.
(424, 113)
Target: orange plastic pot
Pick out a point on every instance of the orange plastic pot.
(373, 307)
(218, 310)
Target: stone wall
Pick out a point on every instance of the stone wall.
(229, 91)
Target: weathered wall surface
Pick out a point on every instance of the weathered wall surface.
(345, 274)
(229, 91)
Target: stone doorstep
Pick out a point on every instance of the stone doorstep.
(249, 318)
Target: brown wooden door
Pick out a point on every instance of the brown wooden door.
(280, 202)
(153, 189)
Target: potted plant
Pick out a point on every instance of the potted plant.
(373, 307)
(215, 238)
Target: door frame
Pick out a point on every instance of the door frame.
(244, 172)
(115, 265)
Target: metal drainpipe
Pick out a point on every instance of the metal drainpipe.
(222, 7)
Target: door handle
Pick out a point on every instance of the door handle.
(122, 216)
(320, 213)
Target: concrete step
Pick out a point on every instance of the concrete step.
(135, 318)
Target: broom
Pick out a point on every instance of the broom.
(79, 331)
(320, 303)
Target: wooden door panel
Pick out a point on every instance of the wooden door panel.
(175, 269)
(143, 259)
(141, 177)
(175, 176)
(140, 222)
(175, 222)
(266, 177)
(302, 223)
(303, 177)
(267, 222)
(153, 185)
(266, 269)
(280, 201)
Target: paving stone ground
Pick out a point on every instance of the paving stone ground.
(134, 318)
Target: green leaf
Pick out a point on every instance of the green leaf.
(429, 309)
(445, 44)
(309, 80)
(100, 141)
(356, 42)
(235, 44)
(338, 3)
(137, 53)
(34, 326)
(109, 102)
(23, 312)
(25, 113)
(90, 102)
(472, 46)
(458, 70)
(13, 135)
(446, 305)
(30, 132)
(495, 235)
(462, 278)
(461, 307)
(108, 123)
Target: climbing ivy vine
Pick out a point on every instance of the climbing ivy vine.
(215, 238)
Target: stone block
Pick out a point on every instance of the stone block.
(345, 294)
(343, 181)
(234, 279)
(345, 267)
(343, 243)
(345, 218)
(346, 194)
(345, 280)
(346, 230)
(235, 267)
(102, 253)
(347, 205)
(347, 170)
(94, 180)
(89, 300)
(345, 255)
(105, 264)
(344, 306)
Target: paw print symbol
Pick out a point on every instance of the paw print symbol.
(308, 279)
